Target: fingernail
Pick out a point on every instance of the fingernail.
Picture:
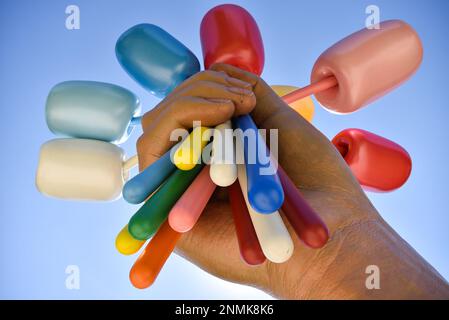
(238, 90)
(238, 83)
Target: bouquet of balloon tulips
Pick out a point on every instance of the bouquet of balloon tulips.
(95, 117)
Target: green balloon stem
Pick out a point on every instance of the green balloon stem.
(145, 222)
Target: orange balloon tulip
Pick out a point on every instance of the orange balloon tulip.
(150, 262)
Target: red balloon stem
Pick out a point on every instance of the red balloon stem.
(313, 88)
(342, 147)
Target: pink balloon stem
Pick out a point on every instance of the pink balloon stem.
(313, 88)
(187, 210)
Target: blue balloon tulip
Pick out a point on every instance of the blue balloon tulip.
(155, 59)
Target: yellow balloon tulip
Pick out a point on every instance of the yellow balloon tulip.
(126, 244)
(188, 154)
(304, 107)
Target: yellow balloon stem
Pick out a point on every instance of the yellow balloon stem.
(188, 154)
(126, 244)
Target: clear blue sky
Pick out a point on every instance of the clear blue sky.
(39, 236)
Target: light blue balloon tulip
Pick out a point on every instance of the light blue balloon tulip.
(92, 110)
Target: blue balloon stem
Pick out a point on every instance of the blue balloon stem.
(265, 193)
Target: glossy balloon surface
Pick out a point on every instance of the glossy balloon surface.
(126, 244)
(378, 164)
(249, 246)
(91, 110)
(229, 34)
(368, 64)
(265, 192)
(147, 267)
(155, 59)
(152, 214)
(141, 186)
(80, 169)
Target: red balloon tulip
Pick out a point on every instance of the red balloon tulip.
(378, 164)
(229, 34)
(250, 249)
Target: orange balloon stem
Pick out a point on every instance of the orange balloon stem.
(148, 265)
(313, 88)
